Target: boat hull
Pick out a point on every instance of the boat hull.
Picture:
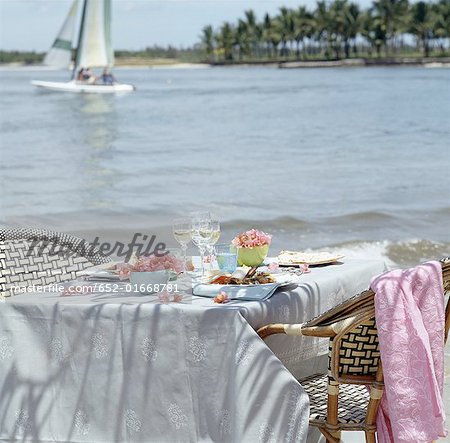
(78, 87)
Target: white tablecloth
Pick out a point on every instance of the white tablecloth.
(120, 367)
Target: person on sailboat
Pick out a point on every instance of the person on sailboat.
(107, 77)
(87, 76)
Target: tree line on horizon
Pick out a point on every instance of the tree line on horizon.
(333, 30)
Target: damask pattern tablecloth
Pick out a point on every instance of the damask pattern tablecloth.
(126, 368)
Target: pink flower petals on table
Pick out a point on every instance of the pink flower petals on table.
(305, 268)
(273, 266)
(167, 297)
(189, 265)
(251, 239)
(177, 298)
(222, 297)
(124, 270)
(164, 297)
(150, 263)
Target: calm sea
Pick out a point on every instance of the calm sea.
(353, 159)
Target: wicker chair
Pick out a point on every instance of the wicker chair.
(340, 400)
(40, 257)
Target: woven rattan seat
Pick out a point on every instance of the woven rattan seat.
(40, 257)
(340, 400)
(352, 406)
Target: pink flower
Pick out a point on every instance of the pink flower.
(305, 268)
(124, 270)
(222, 297)
(252, 238)
(273, 266)
(189, 265)
(150, 263)
(177, 298)
(164, 297)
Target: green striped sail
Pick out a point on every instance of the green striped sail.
(60, 53)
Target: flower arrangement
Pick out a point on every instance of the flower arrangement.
(151, 263)
(251, 239)
(252, 247)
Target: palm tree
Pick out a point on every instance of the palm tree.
(441, 21)
(271, 35)
(258, 36)
(208, 40)
(242, 38)
(286, 22)
(421, 25)
(303, 27)
(373, 31)
(336, 25)
(251, 30)
(225, 40)
(322, 19)
(393, 15)
(352, 26)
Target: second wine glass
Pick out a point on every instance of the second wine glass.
(201, 236)
(181, 229)
(215, 235)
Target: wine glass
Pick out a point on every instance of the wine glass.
(181, 229)
(215, 235)
(201, 236)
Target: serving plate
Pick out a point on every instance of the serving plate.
(247, 292)
(294, 258)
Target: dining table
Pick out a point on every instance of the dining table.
(112, 365)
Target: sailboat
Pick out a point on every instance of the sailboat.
(93, 49)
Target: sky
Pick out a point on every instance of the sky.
(33, 24)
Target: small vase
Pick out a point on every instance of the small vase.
(252, 256)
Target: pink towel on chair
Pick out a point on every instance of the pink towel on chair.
(409, 310)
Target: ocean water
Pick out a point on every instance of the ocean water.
(355, 160)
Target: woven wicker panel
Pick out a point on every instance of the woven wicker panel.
(358, 350)
(353, 401)
(70, 242)
(21, 265)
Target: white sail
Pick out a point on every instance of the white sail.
(60, 53)
(95, 47)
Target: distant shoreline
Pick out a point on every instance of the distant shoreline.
(346, 63)
(299, 64)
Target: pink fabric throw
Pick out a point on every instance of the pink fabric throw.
(409, 310)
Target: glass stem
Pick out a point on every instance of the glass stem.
(202, 259)
(184, 249)
(210, 253)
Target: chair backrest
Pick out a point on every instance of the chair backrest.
(41, 257)
(354, 355)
